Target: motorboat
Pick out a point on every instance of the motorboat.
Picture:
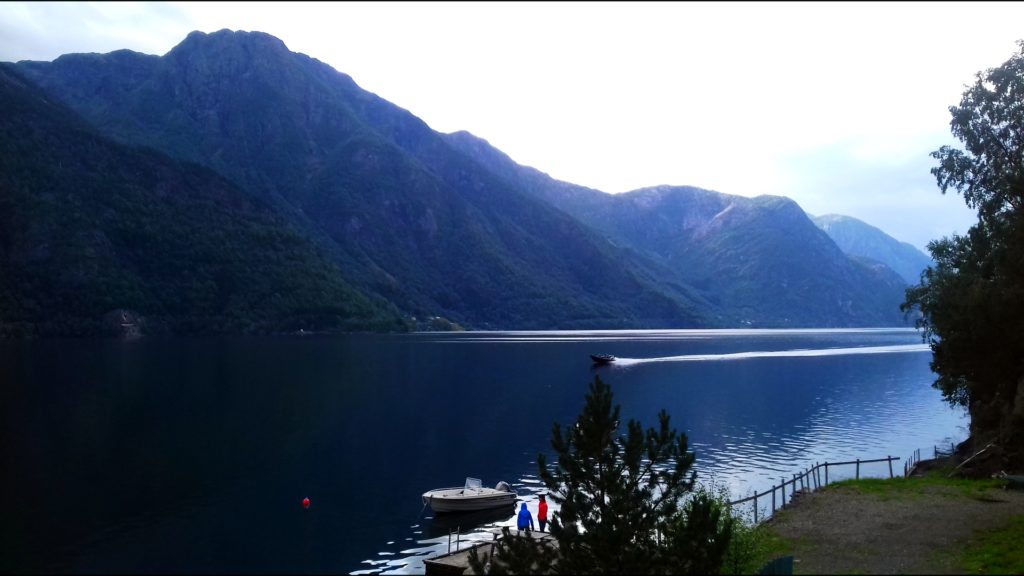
(602, 358)
(471, 497)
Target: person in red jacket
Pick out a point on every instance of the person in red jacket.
(542, 512)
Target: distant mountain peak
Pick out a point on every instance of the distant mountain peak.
(117, 58)
(222, 52)
(858, 238)
(198, 38)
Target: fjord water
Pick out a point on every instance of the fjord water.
(194, 455)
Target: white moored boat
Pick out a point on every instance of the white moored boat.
(472, 496)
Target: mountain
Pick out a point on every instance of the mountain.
(859, 238)
(401, 212)
(96, 236)
(443, 227)
(761, 260)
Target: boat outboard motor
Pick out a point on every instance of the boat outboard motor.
(503, 486)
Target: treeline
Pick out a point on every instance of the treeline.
(972, 300)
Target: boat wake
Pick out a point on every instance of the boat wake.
(898, 349)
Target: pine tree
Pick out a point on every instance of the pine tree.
(620, 502)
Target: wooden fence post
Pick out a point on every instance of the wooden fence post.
(826, 472)
(858, 468)
(889, 458)
(773, 500)
(783, 492)
(755, 506)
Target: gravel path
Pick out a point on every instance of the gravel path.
(841, 530)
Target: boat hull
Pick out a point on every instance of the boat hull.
(461, 500)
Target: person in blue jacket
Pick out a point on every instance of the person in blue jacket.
(525, 519)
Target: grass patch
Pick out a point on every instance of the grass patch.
(997, 551)
(752, 547)
(890, 488)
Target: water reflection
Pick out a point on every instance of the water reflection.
(760, 406)
(456, 523)
(193, 455)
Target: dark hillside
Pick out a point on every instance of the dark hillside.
(761, 262)
(89, 227)
(404, 214)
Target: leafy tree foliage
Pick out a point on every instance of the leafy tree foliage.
(972, 300)
(622, 503)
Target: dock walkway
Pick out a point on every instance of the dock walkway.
(457, 562)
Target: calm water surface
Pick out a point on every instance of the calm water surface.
(193, 455)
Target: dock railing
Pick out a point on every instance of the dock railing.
(809, 480)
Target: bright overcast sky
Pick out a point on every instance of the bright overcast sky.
(835, 105)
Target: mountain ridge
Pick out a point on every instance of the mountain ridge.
(705, 237)
(91, 227)
(435, 202)
(858, 238)
(444, 224)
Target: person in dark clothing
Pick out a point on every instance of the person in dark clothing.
(542, 512)
(525, 519)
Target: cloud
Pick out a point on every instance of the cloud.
(46, 30)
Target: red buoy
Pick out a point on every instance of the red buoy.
(305, 502)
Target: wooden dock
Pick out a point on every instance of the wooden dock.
(457, 562)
